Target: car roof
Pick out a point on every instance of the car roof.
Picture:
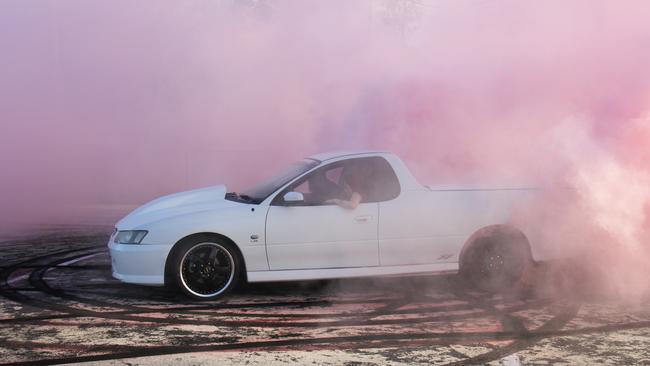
(339, 154)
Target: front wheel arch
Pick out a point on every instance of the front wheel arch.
(169, 272)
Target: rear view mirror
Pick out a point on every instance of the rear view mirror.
(293, 197)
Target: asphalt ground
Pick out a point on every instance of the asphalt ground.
(59, 304)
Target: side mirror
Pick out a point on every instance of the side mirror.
(293, 197)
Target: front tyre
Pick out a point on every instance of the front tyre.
(206, 269)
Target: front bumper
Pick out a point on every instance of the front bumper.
(139, 263)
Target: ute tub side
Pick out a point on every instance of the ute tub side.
(435, 224)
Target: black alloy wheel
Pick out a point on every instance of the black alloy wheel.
(494, 265)
(206, 270)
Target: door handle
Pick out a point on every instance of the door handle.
(362, 219)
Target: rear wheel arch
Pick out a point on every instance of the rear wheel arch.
(498, 230)
(506, 238)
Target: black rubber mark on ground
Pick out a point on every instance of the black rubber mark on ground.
(50, 299)
(366, 319)
(352, 342)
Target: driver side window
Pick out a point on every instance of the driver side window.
(317, 184)
(370, 177)
(317, 187)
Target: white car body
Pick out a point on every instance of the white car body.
(422, 230)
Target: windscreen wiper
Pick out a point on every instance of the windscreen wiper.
(243, 197)
(246, 197)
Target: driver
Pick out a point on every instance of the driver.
(355, 181)
(323, 189)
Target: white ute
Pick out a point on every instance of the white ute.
(290, 228)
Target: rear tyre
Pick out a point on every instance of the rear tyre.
(205, 268)
(496, 259)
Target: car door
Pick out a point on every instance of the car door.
(317, 234)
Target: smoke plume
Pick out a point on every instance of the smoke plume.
(110, 103)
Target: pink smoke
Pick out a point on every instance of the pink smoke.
(107, 103)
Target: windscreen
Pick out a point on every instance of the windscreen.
(260, 191)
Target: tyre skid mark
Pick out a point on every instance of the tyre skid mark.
(37, 281)
(351, 342)
(513, 329)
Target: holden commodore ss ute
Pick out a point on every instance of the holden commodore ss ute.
(303, 225)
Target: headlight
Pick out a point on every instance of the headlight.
(130, 236)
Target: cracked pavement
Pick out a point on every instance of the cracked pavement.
(59, 304)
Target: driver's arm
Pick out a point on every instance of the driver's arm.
(350, 204)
